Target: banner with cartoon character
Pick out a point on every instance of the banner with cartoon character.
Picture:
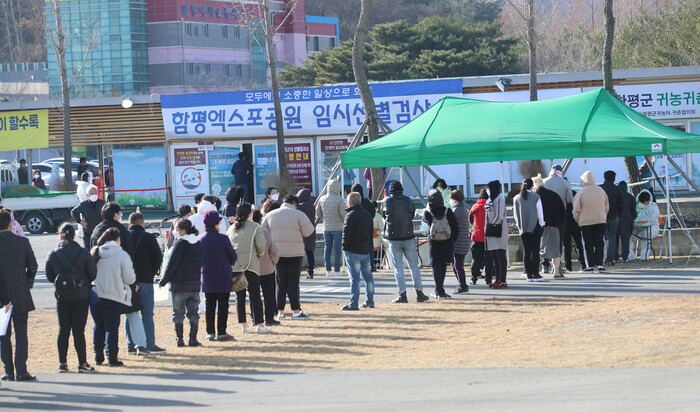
(190, 175)
(135, 172)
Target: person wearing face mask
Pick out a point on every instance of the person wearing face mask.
(271, 194)
(37, 181)
(111, 214)
(441, 186)
(88, 214)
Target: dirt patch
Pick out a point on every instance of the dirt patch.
(567, 332)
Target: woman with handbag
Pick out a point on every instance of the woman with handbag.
(496, 232)
(71, 268)
(115, 275)
(217, 260)
(248, 240)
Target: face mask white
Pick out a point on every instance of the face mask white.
(453, 202)
(275, 197)
(93, 198)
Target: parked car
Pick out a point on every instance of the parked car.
(76, 162)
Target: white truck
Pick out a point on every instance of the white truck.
(38, 210)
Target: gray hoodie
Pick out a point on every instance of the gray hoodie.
(115, 273)
(332, 208)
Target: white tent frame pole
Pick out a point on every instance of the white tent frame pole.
(668, 214)
(685, 176)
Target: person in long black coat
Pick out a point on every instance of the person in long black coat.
(628, 213)
(441, 251)
(307, 206)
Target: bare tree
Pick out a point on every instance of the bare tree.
(358, 69)
(260, 18)
(56, 31)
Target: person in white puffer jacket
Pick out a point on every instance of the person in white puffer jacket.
(204, 206)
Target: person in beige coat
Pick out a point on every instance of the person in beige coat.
(267, 268)
(289, 227)
(591, 211)
(331, 209)
(249, 242)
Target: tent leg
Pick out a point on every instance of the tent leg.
(668, 214)
(413, 183)
(664, 190)
(429, 170)
(566, 165)
(503, 184)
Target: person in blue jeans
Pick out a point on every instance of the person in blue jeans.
(398, 211)
(331, 208)
(357, 244)
(147, 260)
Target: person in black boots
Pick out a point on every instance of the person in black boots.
(442, 234)
(398, 211)
(307, 206)
(17, 275)
(115, 275)
(72, 269)
(183, 272)
(88, 214)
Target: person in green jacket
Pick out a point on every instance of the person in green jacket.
(646, 225)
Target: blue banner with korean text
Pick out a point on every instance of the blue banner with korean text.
(306, 111)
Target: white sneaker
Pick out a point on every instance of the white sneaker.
(329, 273)
(338, 274)
(281, 317)
(246, 329)
(524, 276)
(264, 329)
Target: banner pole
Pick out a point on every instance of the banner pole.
(668, 214)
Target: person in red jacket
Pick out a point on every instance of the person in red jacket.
(477, 217)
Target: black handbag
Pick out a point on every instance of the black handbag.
(68, 286)
(494, 229)
(136, 304)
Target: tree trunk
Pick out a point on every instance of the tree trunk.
(630, 162)
(358, 69)
(65, 98)
(10, 47)
(532, 43)
(279, 120)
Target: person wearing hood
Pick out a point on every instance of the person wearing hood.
(357, 244)
(554, 215)
(88, 213)
(480, 257)
(628, 214)
(398, 212)
(590, 212)
(613, 218)
(445, 192)
(115, 275)
(207, 204)
(217, 274)
(234, 195)
(37, 181)
(497, 243)
(331, 209)
(529, 217)
(111, 214)
(55, 178)
(646, 225)
(369, 207)
(442, 234)
(72, 308)
(557, 184)
(461, 247)
(307, 207)
(183, 272)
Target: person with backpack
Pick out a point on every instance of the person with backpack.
(443, 231)
(183, 271)
(115, 275)
(147, 261)
(528, 215)
(71, 269)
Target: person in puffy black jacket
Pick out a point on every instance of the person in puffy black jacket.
(441, 251)
(111, 215)
(71, 260)
(307, 207)
(234, 195)
(357, 244)
(366, 203)
(398, 212)
(183, 272)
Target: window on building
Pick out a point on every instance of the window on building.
(190, 68)
(196, 31)
(227, 70)
(196, 69)
(239, 70)
(224, 32)
(237, 32)
(207, 68)
(188, 29)
(205, 30)
(331, 44)
(315, 43)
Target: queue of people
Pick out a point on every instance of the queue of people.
(257, 253)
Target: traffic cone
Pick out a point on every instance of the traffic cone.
(138, 209)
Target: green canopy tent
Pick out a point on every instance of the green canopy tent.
(457, 130)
